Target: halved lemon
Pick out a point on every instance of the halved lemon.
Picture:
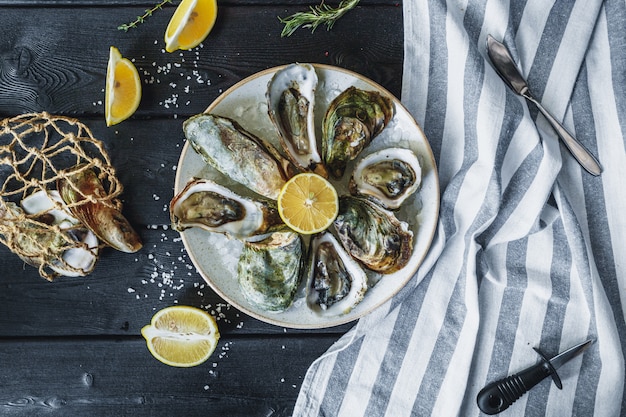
(181, 336)
(191, 23)
(122, 92)
(308, 203)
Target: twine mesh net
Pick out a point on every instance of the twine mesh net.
(37, 150)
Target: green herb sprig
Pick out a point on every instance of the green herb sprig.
(321, 14)
(140, 19)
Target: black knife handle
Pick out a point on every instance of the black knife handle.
(499, 395)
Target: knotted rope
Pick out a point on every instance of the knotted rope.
(37, 150)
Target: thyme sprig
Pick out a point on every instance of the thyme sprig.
(142, 18)
(318, 15)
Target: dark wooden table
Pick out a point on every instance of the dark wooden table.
(73, 347)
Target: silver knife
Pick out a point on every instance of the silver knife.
(507, 70)
(499, 395)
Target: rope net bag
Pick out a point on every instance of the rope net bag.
(37, 152)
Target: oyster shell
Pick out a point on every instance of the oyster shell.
(82, 191)
(336, 282)
(68, 249)
(213, 207)
(387, 177)
(238, 154)
(352, 120)
(291, 99)
(373, 235)
(269, 271)
(80, 258)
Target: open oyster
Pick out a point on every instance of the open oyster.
(291, 99)
(336, 282)
(238, 154)
(352, 120)
(269, 271)
(213, 207)
(373, 235)
(387, 177)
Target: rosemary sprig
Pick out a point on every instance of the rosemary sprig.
(140, 19)
(322, 14)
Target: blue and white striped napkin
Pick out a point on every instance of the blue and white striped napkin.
(530, 249)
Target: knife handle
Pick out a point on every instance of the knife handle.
(582, 155)
(499, 395)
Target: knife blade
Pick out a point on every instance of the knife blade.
(507, 70)
(499, 395)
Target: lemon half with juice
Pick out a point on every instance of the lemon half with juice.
(308, 203)
(181, 336)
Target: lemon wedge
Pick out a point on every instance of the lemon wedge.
(191, 23)
(308, 203)
(122, 92)
(181, 336)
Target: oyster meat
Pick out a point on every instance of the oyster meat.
(269, 271)
(336, 282)
(213, 207)
(373, 235)
(387, 177)
(291, 99)
(352, 120)
(238, 154)
(83, 193)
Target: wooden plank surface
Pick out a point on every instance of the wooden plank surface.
(73, 347)
(91, 377)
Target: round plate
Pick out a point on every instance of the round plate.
(215, 256)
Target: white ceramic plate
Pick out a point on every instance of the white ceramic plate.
(216, 256)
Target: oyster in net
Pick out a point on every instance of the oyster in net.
(352, 120)
(87, 199)
(49, 238)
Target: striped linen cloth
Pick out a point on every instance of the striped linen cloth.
(530, 249)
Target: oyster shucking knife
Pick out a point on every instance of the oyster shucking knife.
(499, 395)
(507, 70)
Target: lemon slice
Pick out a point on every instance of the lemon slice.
(308, 203)
(181, 336)
(122, 93)
(191, 23)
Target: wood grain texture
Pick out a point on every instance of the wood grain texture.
(44, 67)
(118, 377)
(73, 347)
